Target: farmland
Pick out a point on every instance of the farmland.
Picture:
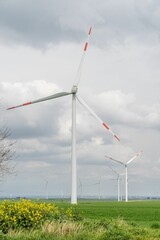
(141, 212)
(101, 220)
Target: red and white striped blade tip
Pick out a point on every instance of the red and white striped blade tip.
(106, 126)
(90, 30)
(86, 44)
(96, 116)
(22, 105)
(57, 95)
(117, 138)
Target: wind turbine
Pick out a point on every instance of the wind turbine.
(80, 187)
(45, 187)
(126, 170)
(99, 186)
(119, 189)
(75, 96)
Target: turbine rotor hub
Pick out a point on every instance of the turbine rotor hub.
(74, 89)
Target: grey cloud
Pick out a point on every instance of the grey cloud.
(35, 23)
(39, 23)
(126, 21)
(122, 109)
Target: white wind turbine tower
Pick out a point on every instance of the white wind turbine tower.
(75, 96)
(126, 171)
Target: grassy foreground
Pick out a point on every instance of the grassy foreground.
(86, 230)
(139, 220)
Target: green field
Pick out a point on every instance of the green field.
(102, 220)
(140, 212)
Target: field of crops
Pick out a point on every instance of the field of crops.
(96, 220)
(141, 212)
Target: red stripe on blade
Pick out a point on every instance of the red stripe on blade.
(117, 138)
(89, 33)
(25, 104)
(85, 47)
(11, 108)
(105, 126)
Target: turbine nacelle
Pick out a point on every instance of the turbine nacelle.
(74, 89)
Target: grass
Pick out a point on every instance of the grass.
(86, 230)
(134, 220)
(143, 213)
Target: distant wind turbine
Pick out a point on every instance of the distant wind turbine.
(75, 96)
(99, 186)
(119, 190)
(45, 187)
(80, 187)
(126, 171)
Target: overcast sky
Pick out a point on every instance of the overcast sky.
(41, 43)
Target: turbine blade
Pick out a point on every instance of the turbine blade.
(78, 75)
(96, 116)
(136, 155)
(113, 170)
(115, 160)
(57, 95)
